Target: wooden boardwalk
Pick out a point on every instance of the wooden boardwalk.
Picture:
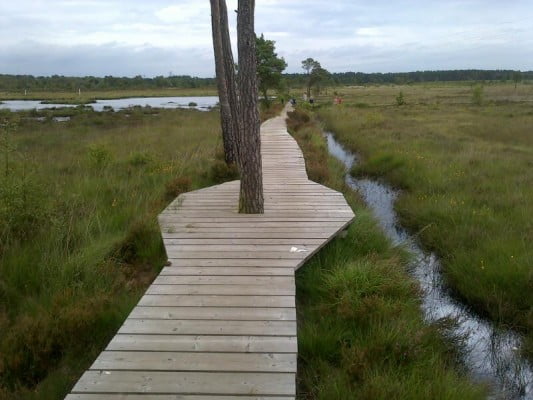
(220, 322)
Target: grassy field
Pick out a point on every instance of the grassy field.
(360, 329)
(464, 163)
(89, 96)
(79, 241)
(79, 244)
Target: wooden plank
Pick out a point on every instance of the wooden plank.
(273, 255)
(170, 300)
(251, 313)
(205, 343)
(235, 262)
(258, 224)
(122, 396)
(173, 234)
(203, 327)
(229, 271)
(212, 383)
(278, 281)
(219, 248)
(243, 241)
(252, 231)
(234, 290)
(265, 218)
(194, 361)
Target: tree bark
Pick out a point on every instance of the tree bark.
(231, 80)
(227, 120)
(251, 192)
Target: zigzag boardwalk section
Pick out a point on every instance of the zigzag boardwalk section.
(220, 322)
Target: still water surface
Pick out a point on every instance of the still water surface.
(202, 103)
(491, 354)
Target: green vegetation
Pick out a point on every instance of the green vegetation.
(89, 96)
(316, 76)
(400, 99)
(467, 179)
(360, 329)
(79, 241)
(269, 66)
(477, 95)
(20, 83)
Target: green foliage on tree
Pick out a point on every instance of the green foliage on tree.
(517, 78)
(269, 66)
(477, 95)
(316, 75)
(400, 99)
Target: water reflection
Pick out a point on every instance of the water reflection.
(200, 103)
(491, 354)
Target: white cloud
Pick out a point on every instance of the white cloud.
(369, 31)
(155, 37)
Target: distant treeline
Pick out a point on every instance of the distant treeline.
(360, 78)
(56, 82)
(66, 83)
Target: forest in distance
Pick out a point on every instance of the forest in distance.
(11, 83)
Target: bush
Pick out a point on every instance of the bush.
(221, 172)
(22, 211)
(400, 99)
(477, 95)
(134, 246)
(99, 155)
(139, 159)
(297, 120)
(177, 186)
(34, 345)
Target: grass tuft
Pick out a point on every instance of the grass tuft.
(361, 334)
(466, 174)
(79, 239)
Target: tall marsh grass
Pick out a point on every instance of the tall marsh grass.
(79, 240)
(360, 329)
(467, 177)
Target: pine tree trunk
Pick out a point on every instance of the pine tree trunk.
(251, 195)
(231, 81)
(226, 119)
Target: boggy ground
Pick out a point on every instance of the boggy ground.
(74, 97)
(79, 241)
(361, 333)
(465, 167)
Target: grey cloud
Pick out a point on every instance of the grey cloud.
(109, 59)
(129, 37)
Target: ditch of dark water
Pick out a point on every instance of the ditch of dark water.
(490, 354)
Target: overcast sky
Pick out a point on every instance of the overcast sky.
(158, 37)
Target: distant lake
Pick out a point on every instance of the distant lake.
(203, 103)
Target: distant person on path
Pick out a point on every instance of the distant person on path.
(293, 101)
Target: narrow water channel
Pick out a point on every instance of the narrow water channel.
(491, 355)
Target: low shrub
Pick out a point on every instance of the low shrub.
(139, 159)
(99, 155)
(22, 209)
(221, 172)
(177, 186)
